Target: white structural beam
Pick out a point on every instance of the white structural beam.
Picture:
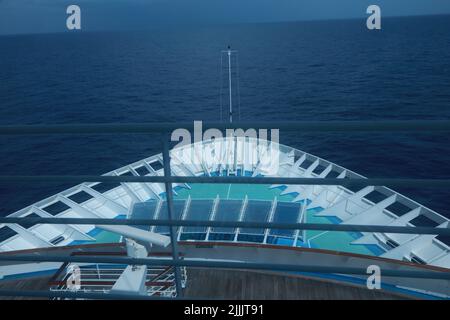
(300, 160)
(75, 232)
(374, 215)
(241, 216)
(403, 221)
(138, 234)
(187, 205)
(133, 195)
(308, 172)
(29, 236)
(325, 196)
(351, 206)
(145, 186)
(370, 238)
(110, 203)
(157, 187)
(405, 249)
(133, 278)
(84, 212)
(273, 207)
(126, 231)
(131, 281)
(213, 215)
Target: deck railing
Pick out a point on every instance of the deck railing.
(165, 129)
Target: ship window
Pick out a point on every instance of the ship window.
(57, 240)
(156, 165)
(306, 164)
(423, 221)
(319, 169)
(28, 225)
(297, 157)
(142, 171)
(104, 187)
(392, 243)
(80, 197)
(444, 239)
(399, 209)
(6, 233)
(56, 208)
(352, 186)
(332, 174)
(375, 196)
(126, 174)
(417, 260)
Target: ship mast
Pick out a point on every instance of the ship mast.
(229, 83)
(229, 53)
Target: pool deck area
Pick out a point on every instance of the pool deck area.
(337, 241)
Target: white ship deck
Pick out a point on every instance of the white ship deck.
(238, 202)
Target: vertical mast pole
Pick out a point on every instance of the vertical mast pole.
(229, 83)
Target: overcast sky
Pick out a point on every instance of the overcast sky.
(29, 16)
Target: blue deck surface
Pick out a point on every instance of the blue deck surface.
(258, 209)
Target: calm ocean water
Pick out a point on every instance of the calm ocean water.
(335, 70)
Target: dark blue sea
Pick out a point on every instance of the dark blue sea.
(330, 70)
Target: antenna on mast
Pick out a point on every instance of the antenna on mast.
(229, 52)
(229, 83)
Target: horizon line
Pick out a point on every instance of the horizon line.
(174, 25)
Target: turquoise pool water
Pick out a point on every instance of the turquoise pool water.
(232, 191)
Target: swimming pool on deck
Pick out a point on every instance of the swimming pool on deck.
(259, 202)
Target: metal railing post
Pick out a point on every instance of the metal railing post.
(169, 198)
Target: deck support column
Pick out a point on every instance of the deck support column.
(169, 199)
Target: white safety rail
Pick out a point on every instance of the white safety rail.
(160, 281)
